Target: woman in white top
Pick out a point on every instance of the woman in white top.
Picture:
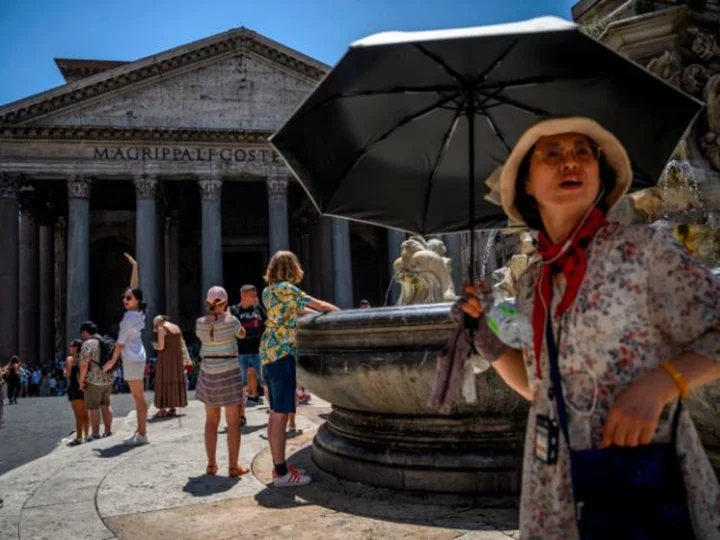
(129, 344)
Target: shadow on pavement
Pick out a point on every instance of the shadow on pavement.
(204, 486)
(153, 420)
(463, 512)
(113, 451)
(269, 498)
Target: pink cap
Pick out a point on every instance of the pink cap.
(216, 295)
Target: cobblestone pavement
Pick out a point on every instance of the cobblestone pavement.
(37, 425)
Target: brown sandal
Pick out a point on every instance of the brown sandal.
(234, 472)
(211, 470)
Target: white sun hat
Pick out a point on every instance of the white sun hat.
(611, 148)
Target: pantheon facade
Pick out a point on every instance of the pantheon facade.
(166, 158)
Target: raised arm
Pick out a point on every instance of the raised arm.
(134, 278)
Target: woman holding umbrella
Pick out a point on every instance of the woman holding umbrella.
(625, 324)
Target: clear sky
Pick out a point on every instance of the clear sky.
(34, 32)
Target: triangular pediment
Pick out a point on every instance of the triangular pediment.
(238, 80)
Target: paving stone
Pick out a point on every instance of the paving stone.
(63, 522)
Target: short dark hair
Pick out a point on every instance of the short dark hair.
(527, 205)
(77, 344)
(89, 327)
(248, 288)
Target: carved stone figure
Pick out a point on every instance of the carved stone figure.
(423, 272)
(704, 45)
(694, 78)
(667, 66)
(710, 142)
(507, 277)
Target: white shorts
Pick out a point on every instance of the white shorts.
(133, 370)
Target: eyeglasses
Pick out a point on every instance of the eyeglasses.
(556, 154)
(127, 298)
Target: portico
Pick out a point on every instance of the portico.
(166, 158)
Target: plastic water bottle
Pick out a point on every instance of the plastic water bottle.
(510, 326)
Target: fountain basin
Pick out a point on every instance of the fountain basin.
(376, 367)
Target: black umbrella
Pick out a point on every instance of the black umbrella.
(405, 130)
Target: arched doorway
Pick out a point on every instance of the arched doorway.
(109, 275)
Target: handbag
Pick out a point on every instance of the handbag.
(622, 492)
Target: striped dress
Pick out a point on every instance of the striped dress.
(220, 380)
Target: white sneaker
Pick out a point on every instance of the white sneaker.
(136, 440)
(294, 478)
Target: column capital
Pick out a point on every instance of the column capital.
(210, 188)
(79, 187)
(31, 202)
(146, 186)
(9, 185)
(277, 187)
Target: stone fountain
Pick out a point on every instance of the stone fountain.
(376, 367)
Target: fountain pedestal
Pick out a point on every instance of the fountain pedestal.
(376, 368)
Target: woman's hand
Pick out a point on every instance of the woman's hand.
(633, 418)
(475, 298)
(154, 345)
(129, 258)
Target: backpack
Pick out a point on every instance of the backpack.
(107, 344)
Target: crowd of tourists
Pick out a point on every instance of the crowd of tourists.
(247, 351)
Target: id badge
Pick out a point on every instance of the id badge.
(546, 439)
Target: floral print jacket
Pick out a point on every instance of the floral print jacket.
(643, 300)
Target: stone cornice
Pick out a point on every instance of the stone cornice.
(100, 133)
(626, 33)
(239, 40)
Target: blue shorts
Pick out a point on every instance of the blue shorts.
(281, 382)
(248, 361)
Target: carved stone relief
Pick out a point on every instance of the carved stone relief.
(700, 78)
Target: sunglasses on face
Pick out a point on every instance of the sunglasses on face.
(127, 297)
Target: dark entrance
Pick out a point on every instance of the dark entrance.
(109, 277)
(243, 267)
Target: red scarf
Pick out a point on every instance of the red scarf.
(572, 263)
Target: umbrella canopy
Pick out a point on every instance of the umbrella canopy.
(405, 130)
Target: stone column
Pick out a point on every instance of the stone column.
(47, 288)
(278, 213)
(29, 280)
(394, 241)
(342, 263)
(453, 243)
(9, 248)
(147, 246)
(212, 270)
(60, 284)
(78, 255)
